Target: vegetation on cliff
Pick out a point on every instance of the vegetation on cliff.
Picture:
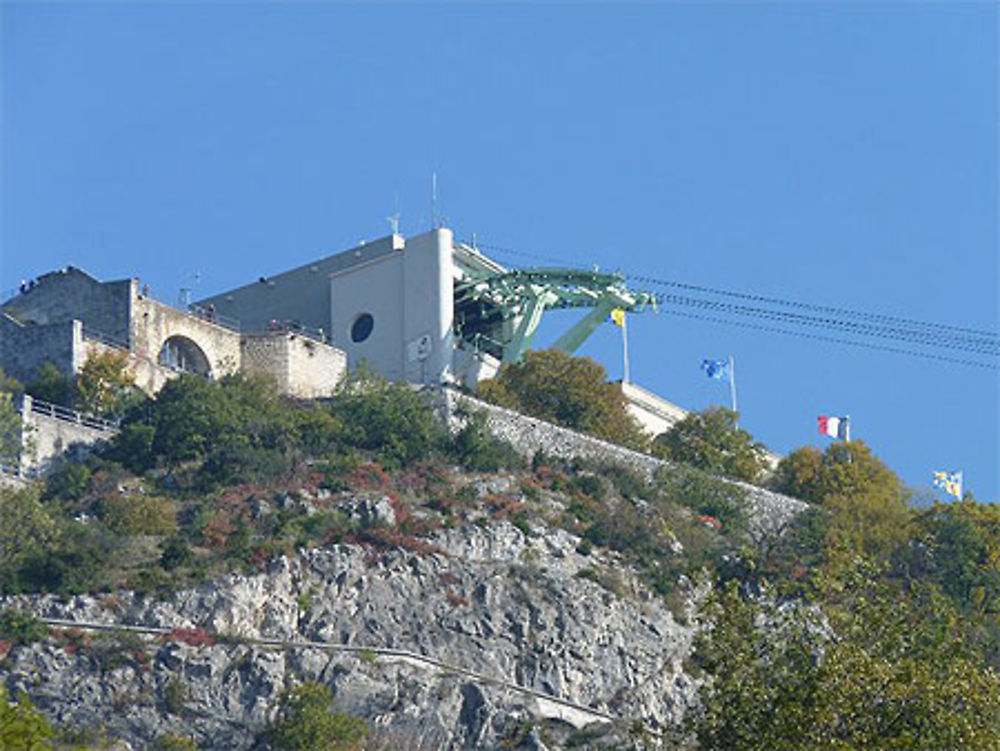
(866, 624)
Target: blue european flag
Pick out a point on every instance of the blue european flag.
(717, 369)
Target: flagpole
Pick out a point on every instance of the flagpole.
(625, 345)
(732, 385)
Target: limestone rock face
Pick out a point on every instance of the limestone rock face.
(495, 640)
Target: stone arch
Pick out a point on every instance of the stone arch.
(183, 354)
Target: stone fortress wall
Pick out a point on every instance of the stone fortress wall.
(298, 364)
(769, 511)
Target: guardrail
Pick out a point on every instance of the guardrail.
(106, 339)
(66, 414)
(206, 313)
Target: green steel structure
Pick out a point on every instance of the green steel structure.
(499, 313)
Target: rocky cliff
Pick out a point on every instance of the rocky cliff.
(489, 638)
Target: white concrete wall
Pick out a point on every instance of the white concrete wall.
(301, 294)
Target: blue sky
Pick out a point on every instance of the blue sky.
(836, 154)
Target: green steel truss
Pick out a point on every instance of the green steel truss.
(500, 313)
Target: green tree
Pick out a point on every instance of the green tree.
(104, 383)
(308, 721)
(22, 727)
(10, 430)
(870, 669)
(26, 528)
(568, 391)
(866, 500)
(52, 385)
(390, 419)
(710, 440)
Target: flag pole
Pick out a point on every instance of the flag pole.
(625, 345)
(732, 384)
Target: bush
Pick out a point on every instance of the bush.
(21, 628)
(392, 420)
(710, 441)
(138, 514)
(475, 448)
(707, 495)
(307, 721)
(568, 391)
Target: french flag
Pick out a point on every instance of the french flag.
(835, 427)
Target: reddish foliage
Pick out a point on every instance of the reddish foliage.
(193, 637)
(5, 647)
(76, 639)
(369, 477)
(456, 599)
(710, 521)
(217, 530)
(260, 558)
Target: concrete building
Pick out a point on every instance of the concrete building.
(390, 303)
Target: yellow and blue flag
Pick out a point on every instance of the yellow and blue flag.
(949, 482)
(617, 317)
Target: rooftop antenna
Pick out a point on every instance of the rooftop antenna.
(434, 200)
(393, 219)
(436, 221)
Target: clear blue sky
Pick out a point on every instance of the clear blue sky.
(840, 154)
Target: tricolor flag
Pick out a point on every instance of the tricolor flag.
(617, 317)
(949, 482)
(835, 427)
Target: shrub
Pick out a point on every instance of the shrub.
(475, 448)
(138, 514)
(711, 441)
(308, 721)
(392, 420)
(568, 391)
(21, 628)
(21, 725)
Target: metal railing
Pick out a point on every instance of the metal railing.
(66, 414)
(106, 339)
(205, 313)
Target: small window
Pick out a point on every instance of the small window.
(362, 327)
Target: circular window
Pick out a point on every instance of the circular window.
(362, 327)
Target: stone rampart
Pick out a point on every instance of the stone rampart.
(769, 511)
(70, 293)
(50, 433)
(300, 366)
(24, 348)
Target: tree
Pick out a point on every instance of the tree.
(52, 385)
(26, 528)
(22, 727)
(10, 430)
(308, 721)
(391, 419)
(104, 383)
(866, 500)
(710, 440)
(868, 669)
(568, 391)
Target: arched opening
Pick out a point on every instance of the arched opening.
(181, 353)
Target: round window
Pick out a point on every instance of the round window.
(362, 327)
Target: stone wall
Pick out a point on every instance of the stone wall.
(300, 366)
(153, 323)
(25, 347)
(50, 433)
(769, 511)
(71, 293)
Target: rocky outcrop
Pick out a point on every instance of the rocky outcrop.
(495, 639)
